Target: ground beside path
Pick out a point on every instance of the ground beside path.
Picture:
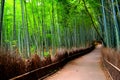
(83, 68)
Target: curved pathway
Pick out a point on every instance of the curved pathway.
(83, 68)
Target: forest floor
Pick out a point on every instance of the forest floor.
(87, 67)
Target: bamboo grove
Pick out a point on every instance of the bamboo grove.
(109, 21)
(43, 26)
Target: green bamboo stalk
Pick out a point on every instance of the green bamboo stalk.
(116, 25)
(1, 18)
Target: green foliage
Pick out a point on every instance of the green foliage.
(46, 54)
(44, 24)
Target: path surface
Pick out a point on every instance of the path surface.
(83, 68)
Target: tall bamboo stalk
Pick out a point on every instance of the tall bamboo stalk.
(1, 18)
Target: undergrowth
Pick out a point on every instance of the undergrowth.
(12, 64)
(112, 56)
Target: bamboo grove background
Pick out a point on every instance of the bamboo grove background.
(43, 26)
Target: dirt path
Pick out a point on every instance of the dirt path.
(83, 68)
